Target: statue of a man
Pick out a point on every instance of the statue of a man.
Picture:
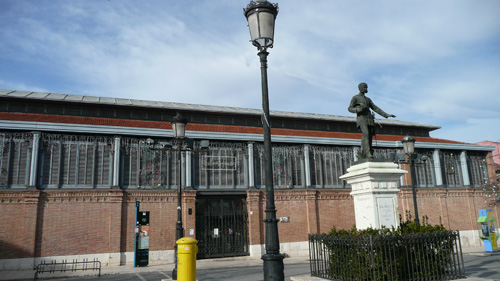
(365, 121)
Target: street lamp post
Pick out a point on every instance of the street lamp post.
(179, 129)
(409, 148)
(261, 16)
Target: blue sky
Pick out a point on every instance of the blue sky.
(431, 62)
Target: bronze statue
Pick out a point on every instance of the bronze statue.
(365, 120)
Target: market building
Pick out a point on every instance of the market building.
(495, 169)
(73, 167)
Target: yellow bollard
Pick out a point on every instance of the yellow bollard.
(186, 259)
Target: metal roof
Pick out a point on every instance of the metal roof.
(194, 107)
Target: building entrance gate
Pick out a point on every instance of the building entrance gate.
(221, 226)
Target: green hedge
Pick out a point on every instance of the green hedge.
(410, 252)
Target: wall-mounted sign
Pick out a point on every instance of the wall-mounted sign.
(219, 163)
(284, 219)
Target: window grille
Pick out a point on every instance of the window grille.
(328, 164)
(478, 168)
(147, 166)
(68, 161)
(385, 153)
(288, 166)
(15, 159)
(222, 165)
(425, 173)
(452, 169)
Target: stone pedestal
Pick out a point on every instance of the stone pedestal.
(375, 193)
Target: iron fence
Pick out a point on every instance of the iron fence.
(399, 257)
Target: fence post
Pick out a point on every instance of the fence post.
(371, 254)
(461, 261)
(311, 254)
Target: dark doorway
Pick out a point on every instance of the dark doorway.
(221, 226)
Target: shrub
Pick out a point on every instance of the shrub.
(411, 251)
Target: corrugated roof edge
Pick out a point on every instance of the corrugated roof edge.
(191, 107)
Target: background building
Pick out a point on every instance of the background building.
(494, 170)
(72, 168)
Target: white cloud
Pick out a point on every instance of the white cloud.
(6, 85)
(471, 131)
(433, 62)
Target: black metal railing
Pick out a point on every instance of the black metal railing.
(398, 257)
(65, 266)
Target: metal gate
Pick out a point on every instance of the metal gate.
(221, 227)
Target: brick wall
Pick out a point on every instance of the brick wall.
(78, 222)
(255, 211)
(63, 223)
(317, 211)
(73, 223)
(455, 208)
(18, 224)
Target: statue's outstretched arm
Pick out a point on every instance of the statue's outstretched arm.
(380, 111)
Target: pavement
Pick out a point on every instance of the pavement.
(167, 268)
(309, 278)
(474, 258)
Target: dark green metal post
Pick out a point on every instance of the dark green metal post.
(411, 160)
(179, 232)
(261, 16)
(273, 259)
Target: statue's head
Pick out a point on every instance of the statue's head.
(363, 87)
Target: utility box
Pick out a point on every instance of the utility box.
(142, 239)
(487, 225)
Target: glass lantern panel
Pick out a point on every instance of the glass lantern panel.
(179, 130)
(266, 26)
(409, 147)
(261, 27)
(253, 25)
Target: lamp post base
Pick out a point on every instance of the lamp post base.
(174, 274)
(273, 267)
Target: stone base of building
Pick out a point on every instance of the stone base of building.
(292, 249)
(470, 239)
(106, 259)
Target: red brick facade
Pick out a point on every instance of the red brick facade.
(62, 223)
